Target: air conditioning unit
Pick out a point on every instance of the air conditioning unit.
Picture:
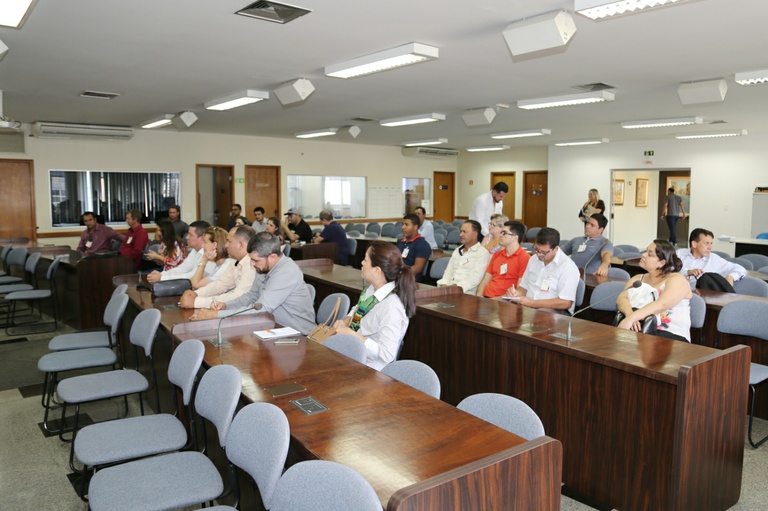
(67, 130)
(429, 151)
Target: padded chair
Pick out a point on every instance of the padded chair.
(31, 296)
(618, 273)
(746, 263)
(438, 222)
(437, 270)
(757, 260)
(354, 234)
(631, 255)
(398, 229)
(698, 315)
(360, 228)
(748, 318)
(531, 234)
(628, 248)
(106, 338)
(318, 485)
(580, 291)
(350, 226)
(617, 252)
(4, 258)
(348, 345)
(388, 230)
(505, 412)
(724, 255)
(178, 479)
(764, 269)
(371, 235)
(415, 374)
(600, 299)
(751, 286)
(312, 292)
(457, 222)
(450, 228)
(351, 246)
(287, 250)
(10, 284)
(527, 246)
(16, 257)
(453, 240)
(440, 239)
(326, 306)
(374, 227)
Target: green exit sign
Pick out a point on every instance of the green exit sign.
(648, 153)
(240, 180)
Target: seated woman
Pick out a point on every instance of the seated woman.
(491, 242)
(273, 227)
(380, 318)
(171, 252)
(663, 292)
(214, 249)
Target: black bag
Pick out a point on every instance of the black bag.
(649, 324)
(714, 282)
(173, 287)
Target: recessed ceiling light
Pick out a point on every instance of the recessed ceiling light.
(661, 123)
(412, 119)
(521, 134)
(405, 55)
(238, 99)
(584, 141)
(582, 98)
(158, 122)
(325, 132)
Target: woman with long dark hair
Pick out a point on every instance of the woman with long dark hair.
(381, 316)
(171, 254)
(214, 249)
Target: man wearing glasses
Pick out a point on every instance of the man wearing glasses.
(551, 278)
(507, 265)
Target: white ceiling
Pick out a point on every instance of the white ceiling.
(167, 56)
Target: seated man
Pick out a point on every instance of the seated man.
(180, 226)
(295, 228)
(333, 233)
(413, 247)
(235, 213)
(281, 291)
(236, 280)
(96, 237)
(699, 259)
(259, 223)
(507, 265)
(551, 278)
(136, 240)
(592, 252)
(468, 261)
(426, 229)
(186, 269)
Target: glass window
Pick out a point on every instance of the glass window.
(345, 197)
(418, 192)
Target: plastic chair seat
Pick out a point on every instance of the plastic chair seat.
(13, 288)
(90, 387)
(61, 361)
(32, 294)
(79, 341)
(9, 279)
(192, 475)
(758, 373)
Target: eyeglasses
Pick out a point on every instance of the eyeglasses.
(507, 233)
(541, 252)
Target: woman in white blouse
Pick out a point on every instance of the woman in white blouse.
(214, 249)
(381, 316)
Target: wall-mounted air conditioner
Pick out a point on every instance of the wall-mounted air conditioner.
(67, 130)
(429, 151)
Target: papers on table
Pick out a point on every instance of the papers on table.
(276, 333)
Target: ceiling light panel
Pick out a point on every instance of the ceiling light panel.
(583, 98)
(599, 9)
(431, 141)
(158, 122)
(752, 77)
(405, 55)
(236, 100)
(325, 132)
(712, 134)
(661, 123)
(412, 119)
(487, 148)
(584, 141)
(13, 13)
(521, 134)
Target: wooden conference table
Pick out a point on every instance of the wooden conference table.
(416, 451)
(645, 422)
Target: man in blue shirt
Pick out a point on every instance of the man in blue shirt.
(333, 233)
(413, 246)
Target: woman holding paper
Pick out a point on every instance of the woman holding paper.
(380, 317)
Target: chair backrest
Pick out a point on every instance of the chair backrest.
(580, 290)
(257, 442)
(698, 311)
(628, 248)
(319, 485)
(631, 255)
(438, 267)
(416, 374)
(601, 296)
(439, 239)
(388, 230)
(287, 250)
(724, 255)
(360, 228)
(751, 286)
(113, 313)
(326, 306)
(532, 232)
(154, 247)
(374, 227)
(120, 290)
(17, 256)
(618, 273)
(757, 260)
(144, 330)
(4, 255)
(217, 397)
(746, 263)
(52, 270)
(348, 345)
(32, 261)
(352, 245)
(372, 235)
(764, 269)
(457, 222)
(184, 365)
(505, 412)
(354, 233)
(312, 292)
(350, 226)
(449, 228)
(115, 245)
(745, 317)
(453, 237)
(617, 251)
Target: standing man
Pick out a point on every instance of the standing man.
(280, 291)
(136, 240)
(413, 247)
(468, 261)
(195, 254)
(673, 211)
(551, 278)
(699, 260)
(259, 222)
(181, 227)
(96, 237)
(333, 233)
(507, 266)
(295, 228)
(488, 204)
(593, 252)
(427, 230)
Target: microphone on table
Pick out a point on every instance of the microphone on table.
(219, 340)
(568, 337)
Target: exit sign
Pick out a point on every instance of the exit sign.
(648, 153)
(240, 180)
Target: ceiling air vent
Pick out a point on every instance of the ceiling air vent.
(66, 130)
(99, 95)
(273, 11)
(429, 151)
(594, 87)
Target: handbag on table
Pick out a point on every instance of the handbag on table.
(324, 330)
(174, 287)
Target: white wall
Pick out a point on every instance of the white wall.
(630, 224)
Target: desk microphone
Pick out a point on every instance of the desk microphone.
(219, 340)
(568, 337)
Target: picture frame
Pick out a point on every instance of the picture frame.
(641, 193)
(617, 192)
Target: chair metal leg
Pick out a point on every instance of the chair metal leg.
(751, 419)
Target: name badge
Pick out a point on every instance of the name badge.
(582, 247)
(88, 244)
(405, 252)
(546, 284)
(464, 260)
(503, 269)
(129, 239)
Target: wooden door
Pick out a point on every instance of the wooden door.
(444, 193)
(509, 200)
(535, 198)
(223, 191)
(262, 188)
(17, 195)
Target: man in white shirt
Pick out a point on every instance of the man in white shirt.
(698, 259)
(488, 204)
(551, 278)
(236, 280)
(468, 261)
(427, 230)
(186, 269)
(259, 223)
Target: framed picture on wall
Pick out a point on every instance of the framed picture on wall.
(682, 186)
(617, 195)
(641, 193)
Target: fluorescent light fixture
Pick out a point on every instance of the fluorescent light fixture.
(598, 9)
(238, 99)
(431, 141)
(407, 54)
(158, 122)
(661, 123)
(13, 13)
(487, 148)
(326, 132)
(582, 98)
(752, 77)
(521, 134)
(711, 134)
(412, 119)
(583, 141)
